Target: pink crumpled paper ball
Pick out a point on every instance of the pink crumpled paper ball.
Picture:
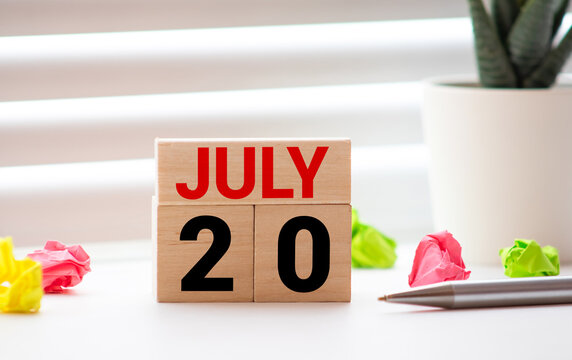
(437, 259)
(62, 266)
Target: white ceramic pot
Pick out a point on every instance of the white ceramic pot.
(501, 165)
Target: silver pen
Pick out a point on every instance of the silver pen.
(464, 294)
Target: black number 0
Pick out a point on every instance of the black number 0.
(196, 279)
(287, 254)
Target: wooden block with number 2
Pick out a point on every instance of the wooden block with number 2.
(204, 253)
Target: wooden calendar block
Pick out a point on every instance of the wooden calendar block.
(302, 253)
(204, 253)
(252, 219)
(253, 171)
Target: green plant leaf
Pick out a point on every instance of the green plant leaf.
(495, 69)
(530, 38)
(559, 16)
(545, 75)
(504, 13)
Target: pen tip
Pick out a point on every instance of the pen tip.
(383, 298)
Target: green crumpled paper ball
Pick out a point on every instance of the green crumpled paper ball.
(526, 258)
(371, 248)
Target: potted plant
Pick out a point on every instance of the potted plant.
(501, 147)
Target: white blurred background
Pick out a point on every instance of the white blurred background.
(86, 85)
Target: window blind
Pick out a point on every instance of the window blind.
(87, 85)
(33, 17)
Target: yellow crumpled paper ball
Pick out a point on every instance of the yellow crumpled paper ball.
(20, 281)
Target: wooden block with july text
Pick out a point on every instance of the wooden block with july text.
(302, 253)
(204, 253)
(253, 171)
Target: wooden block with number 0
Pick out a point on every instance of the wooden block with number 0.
(204, 253)
(302, 253)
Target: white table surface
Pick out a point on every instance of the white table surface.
(113, 314)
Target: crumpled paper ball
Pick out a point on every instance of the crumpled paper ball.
(371, 248)
(63, 266)
(437, 259)
(20, 281)
(526, 258)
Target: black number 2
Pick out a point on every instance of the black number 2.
(287, 254)
(196, 279)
